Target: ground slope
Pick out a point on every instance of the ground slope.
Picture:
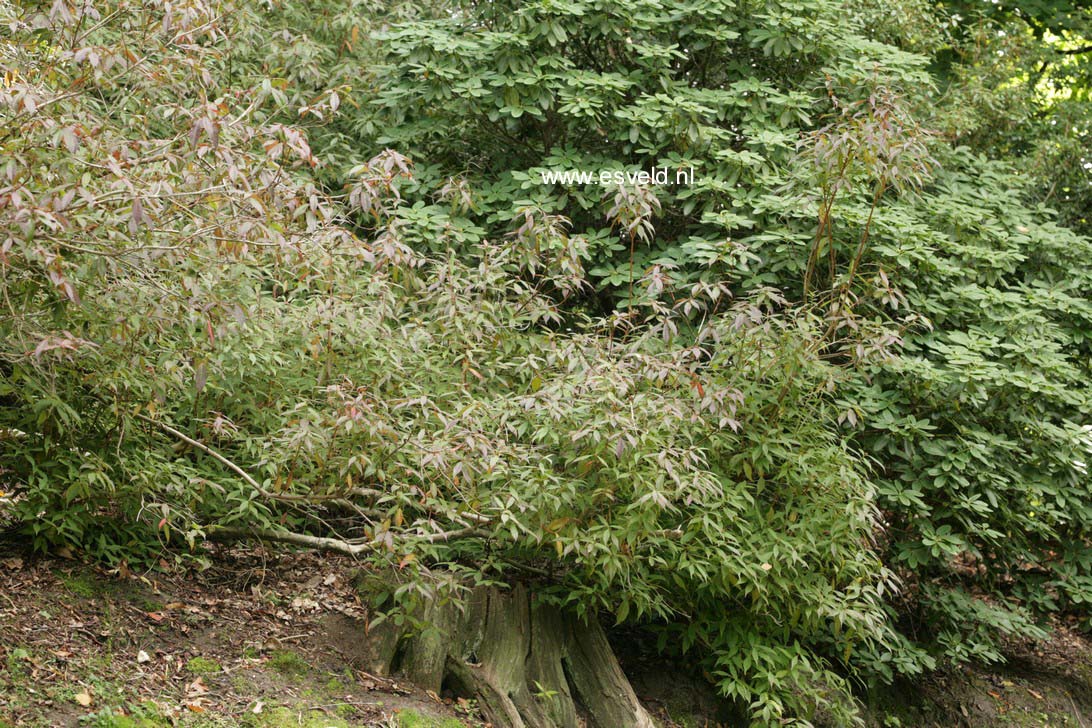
(265, 639)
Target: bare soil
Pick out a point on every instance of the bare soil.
(257, 639)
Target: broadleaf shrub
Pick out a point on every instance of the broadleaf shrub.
(291, 271)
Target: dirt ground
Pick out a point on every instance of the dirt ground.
(1041, 685)
(264, 639)
(255, 640)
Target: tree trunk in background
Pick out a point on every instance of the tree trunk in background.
(527, 666)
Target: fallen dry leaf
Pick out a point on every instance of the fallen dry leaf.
(196, 688)
(83, 698)
(302, 603)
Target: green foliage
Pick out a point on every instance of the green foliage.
(961, 310)
(1020, 82)
(981, 422)
(16, 658)
(840, 380)
(1043, 16)
(488, 97)
(177, 190)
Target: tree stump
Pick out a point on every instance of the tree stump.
(527, 666)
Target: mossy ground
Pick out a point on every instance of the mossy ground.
(288, 662)
(203, 666)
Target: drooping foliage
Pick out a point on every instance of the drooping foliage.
(294, 271)
(191, 340)
(959, 309)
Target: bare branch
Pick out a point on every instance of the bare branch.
(242, 473)
(321, 543)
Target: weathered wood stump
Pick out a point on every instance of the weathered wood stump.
(527, 666)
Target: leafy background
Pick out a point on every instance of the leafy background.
(817, 420)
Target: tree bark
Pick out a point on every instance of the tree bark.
(527, 665)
